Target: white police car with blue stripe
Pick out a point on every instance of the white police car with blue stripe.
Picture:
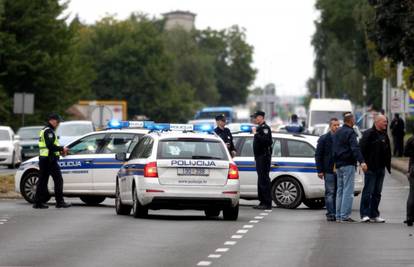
(178, 167)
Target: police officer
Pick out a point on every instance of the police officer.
(262, 148)
(50, 151)
(225, 134)
(294, 126)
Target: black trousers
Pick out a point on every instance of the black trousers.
(49, 167)
(398, 145)
(410, 200)
(263, 163)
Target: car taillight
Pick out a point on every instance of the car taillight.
(233, 172)
(150, 170)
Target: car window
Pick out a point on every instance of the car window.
(191, 149)
(247, 148)
(134, 142)
(72, 129)
(143, 148)
(87, 145)
(277, 148)
(4, 135)
(300, 149)
(118, 143)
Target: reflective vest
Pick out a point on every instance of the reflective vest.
(43, 150)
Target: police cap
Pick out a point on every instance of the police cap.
(221, 117)
(258, 113)
(54, 116)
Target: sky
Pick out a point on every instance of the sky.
(279, 30)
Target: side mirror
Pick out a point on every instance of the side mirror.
(121, 156)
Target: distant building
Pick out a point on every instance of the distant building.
(179, 19)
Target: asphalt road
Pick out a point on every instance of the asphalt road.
(6, 171)
(95, 236)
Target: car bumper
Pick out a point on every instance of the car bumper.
(17, 179)
(6, 158)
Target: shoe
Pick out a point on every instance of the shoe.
(330, 219)
(378, 220)
(63, 205)
(365, 219)
(40, 206)
(262, 207)
(409, 223)
(348, 220)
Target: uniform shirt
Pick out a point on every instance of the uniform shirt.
(226, 136)
(262, 143)
(49, 135)
(294, 127)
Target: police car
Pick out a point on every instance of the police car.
(178, 169)
(90, 167)
(293, 170)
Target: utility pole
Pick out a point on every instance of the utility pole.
(323, 84)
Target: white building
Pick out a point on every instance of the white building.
(179, 19)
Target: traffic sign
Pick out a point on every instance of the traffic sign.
(396, 104)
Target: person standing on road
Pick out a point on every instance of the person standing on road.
(398, 131)
(376, 149)
(225, 134)
(325, 165)
(346, 153)
(49, 152)
(294, 126)
(409, 152)
(262, 149)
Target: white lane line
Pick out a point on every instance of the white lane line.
(258, 217)
(268, 210)
(230, 243)
(242, 231)
(222, 249)
(264, 214)
(214, 256)
(204, 263)
(236, 236)
(253, 221)
(248, 226)
(3, 220)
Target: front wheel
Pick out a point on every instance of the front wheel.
(120, 208)
(287, 193)
(138, 210)
(28, 186)
(92, 200)
(231, 213)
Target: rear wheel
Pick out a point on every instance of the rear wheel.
(287, 193)
(315, 203)
(120, 208)
(92, 200)
(231, 213)
(138, 210)
(28, 186)
(211, 212)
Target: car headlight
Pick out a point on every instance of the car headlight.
(4, 149)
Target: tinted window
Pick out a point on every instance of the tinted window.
(191, 149)
(118, 143)
(277, 148)
(4, 135)
(134, 142)
(300, 149)
(143, 148)
(247, 148)
(87, 145)
(29, 133)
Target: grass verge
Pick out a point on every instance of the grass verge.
(7, 187)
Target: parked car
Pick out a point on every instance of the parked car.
(29, 139)
(71, 130)
(10, 154)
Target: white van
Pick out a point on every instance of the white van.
(321, 110)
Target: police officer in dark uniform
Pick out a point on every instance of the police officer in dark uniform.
(49, 153)
(262, 148)
(225, 134)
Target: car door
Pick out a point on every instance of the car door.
(105, 166)
(247, 166)
(77, 166)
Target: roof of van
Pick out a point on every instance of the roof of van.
(330, 104)
(212, 109)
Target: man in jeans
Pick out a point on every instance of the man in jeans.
(325, 166)
(376, 149)
(346, 153)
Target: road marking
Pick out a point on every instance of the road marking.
(268, 210)
(242, 231)
(248, 226)
(230, 243)
(204, 263)
(236, 236)
(215, 256)
(253, 221)
(259, 217)
(222, 249)
(264, 214)
(3, 220)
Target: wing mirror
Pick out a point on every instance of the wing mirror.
(121, 156)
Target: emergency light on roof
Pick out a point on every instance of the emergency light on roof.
(150, 125)
(116, 124)
(246, 128)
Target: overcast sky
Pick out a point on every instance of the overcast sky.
(279, 30)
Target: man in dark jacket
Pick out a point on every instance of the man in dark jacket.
(346, 153)
(398, 131)
(325, 165)
(376, 149)
(225, 134)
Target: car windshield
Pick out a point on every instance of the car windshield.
(74, 129)
(212, 114)
(29, 133)
(4, 135)
(191, 149)
(318, 117)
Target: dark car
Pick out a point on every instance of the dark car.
(29, 137)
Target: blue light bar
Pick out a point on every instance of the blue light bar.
(150, 125)
(116, 124)
(204, 128)
(246, 128)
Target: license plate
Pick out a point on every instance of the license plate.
(30, 154)
(193, 171)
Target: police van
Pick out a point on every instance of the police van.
(293, 171)
(89, 169)
(178, 168)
